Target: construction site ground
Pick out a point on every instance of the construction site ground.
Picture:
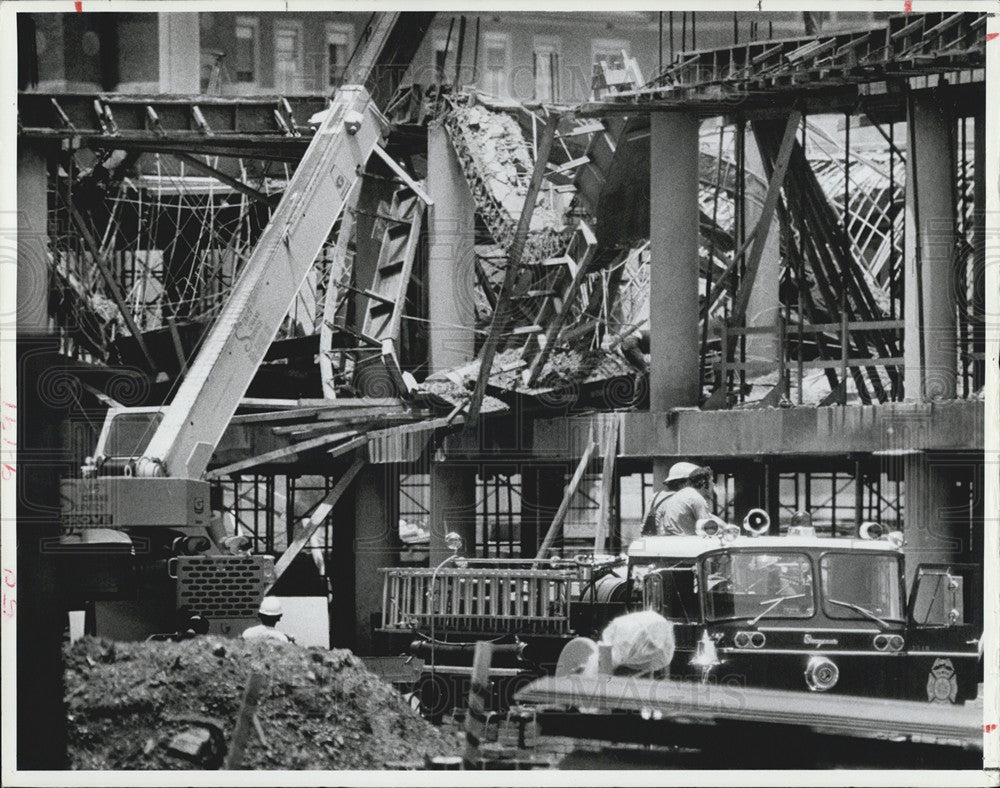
(127, 704)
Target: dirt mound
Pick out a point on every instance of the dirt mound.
(127, 703)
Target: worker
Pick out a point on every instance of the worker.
(685, 499)
(269, 614)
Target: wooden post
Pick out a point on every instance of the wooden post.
(609, 451)
(244, 721)
(318, 517)
(557, 521)
(843, 354)
(479, 694)
(782, 372)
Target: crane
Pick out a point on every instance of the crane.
(142, 499)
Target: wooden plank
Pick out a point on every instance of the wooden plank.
(707, 703)
(563, 510)
(315, 520)
(351, 445)
(279, 454)
(609, 452)
(228, 180)
(767, 214)
(244, 721)
(477, 717)
(501, 315)
(820, 363)
(404, 176)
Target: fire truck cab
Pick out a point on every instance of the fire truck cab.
(803, 611)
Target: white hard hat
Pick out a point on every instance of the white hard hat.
(681, 470)
(270, 606)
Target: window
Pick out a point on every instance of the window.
(496, 64)
(861, 586)
(671, 592)
(608, 49)
(547, 70)
(247, 49)
(339, 45)
(758, 585)
(288, 57)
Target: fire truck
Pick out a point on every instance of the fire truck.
(797, 611)
(802, 611)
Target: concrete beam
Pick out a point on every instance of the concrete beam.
(897, 427)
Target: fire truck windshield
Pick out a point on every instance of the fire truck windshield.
(756, 585)
(861, 585)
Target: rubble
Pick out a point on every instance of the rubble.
(155, 705)
(498, 162)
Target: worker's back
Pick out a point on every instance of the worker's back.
(264, 632)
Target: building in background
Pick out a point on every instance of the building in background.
(545, 56)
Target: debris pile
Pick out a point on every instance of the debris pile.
(498, 162)
(174, 706)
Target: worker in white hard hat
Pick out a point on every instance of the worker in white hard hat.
(269, 614)
(685, 499)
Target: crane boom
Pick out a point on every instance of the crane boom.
(235, 346)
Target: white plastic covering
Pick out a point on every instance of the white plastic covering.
(642, 641)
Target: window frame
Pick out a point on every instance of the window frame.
(604, 45)
(551, 45)
(496, 41)
(280, 26)
(347, 30)
(253, 23)
(842, 613)
(705, 591)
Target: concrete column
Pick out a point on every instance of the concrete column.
(180, 53)
(936, 524)
(376, 544)
(673, 270)
(764, 305)
(451, 272)
(33, 418)
(931, 168)
(32, 236)
(453, 508)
